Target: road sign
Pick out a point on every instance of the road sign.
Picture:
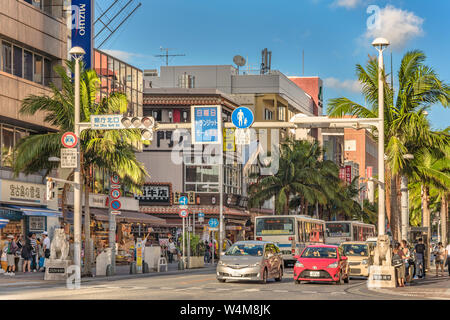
(183, 200)
(69, 140)
(228, 140)
(242, 136)
(183, 213)
(115, 186)
(213, 222)
(206, 124)
(242, 117)
(115, 193)
(117, 121)
(213, 229)
(115, 204)
(114, 179)
(68, 158)
(201, 217)
(115, 212)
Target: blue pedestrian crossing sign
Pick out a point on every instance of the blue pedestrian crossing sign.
(183, 200)
(213, 222)
(242, 117)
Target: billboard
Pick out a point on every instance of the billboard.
(206, 124)
(83, 28)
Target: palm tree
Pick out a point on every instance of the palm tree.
(406, 127)
(109, 149)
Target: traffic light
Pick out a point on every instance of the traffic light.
(50, 189)
(146, 125)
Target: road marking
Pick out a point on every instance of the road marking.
(166, 288)
(251, 290)
(311, 292)
(223, 289)
(280, 291)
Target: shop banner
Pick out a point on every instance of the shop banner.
(155, 194)
(18, 192)
(348, 174)
(206, 124)
(82, 28)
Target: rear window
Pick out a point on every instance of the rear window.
(319, 252)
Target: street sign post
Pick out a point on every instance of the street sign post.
(115, 205)
(115, 193)
(242, 136)
(213, 222)
(69, 140)
(115, 212)
(183, 201)
(206, 124)
(201, 217)
(69, 158)
(183, 213)
(242, 117)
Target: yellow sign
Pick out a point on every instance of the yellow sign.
(228, 140)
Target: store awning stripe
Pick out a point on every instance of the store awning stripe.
(33, 211)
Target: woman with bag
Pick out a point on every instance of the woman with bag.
(439, 253)
(397, 262)
(27, 255)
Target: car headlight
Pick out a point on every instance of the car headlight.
(298, 264)
(333, 265)
(365, 261)
(255, 264)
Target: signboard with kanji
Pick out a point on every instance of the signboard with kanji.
(242, 136)
(106, 122)
(206, 124)
(228, 140)
(155, 194)
(68, 158)
(348, 174)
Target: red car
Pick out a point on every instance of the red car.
(321, 263)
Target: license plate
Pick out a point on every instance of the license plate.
(236, 274)
(314, 273)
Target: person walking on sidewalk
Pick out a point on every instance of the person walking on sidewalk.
(27, 255)
(406, 260)
(447, 255)
(439, 253)
(171, 250)
(397, 262)
(10, 255)
(207, 258)
(34, 251)
(46, 245)
(420, 258)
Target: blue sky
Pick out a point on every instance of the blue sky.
(333, 34)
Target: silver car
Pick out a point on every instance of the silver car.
(251, 260)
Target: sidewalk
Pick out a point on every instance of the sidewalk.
(431, 287)
(122, 272)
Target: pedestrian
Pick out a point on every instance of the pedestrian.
(397, 262)
(33, 242)
(207, 258)
(172, 249)
(40, 254)
(447, 254)
(27, 255)
(406, 261)
(439, 254)
(46, 245)
(420, 258)
(10, 255)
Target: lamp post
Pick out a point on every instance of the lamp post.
(77, 54)
(404, 201)
(380, 44)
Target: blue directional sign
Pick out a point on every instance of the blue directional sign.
(206, 124)
(201, 215)
(183, 200)
(242, 117)
(213, 223)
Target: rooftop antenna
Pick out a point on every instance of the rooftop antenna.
(266, 61)
(239, 61)
(167, 55)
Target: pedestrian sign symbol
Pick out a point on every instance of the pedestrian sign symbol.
(242, 117)
(183, 200)
(213, 223)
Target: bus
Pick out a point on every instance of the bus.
(291, 233)
(337, 232)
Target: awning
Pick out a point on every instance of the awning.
(128, 216)
(3, 222)
(36, 211)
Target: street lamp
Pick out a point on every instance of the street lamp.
(404, 200)
(77, 54)
(380, 44)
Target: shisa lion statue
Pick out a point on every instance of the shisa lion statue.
(383, 251)
(60, 246)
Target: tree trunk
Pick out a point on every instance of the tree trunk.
(444, 215)
(87, 230)
(426, 223)
(387, 192)
(394, 207)
(398, 208)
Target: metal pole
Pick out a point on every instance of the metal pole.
(188, 241)
(77, 177)
(183, 242)
(381, 187)
(112, 240)
(193, 224)
(213, 246)
(404, 203)
(221, 226)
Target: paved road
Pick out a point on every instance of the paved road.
(199, 285)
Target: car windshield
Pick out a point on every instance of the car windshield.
(319, 252)
(355, 250)
(245, 249)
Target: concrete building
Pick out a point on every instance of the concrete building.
(33, 39)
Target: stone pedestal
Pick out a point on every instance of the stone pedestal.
(382, 277)
(151, 256)
(56, 269)
(102, 262)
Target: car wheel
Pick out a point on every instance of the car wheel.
(221, 280)
(280, 275)
(339, 281)
(298, 282)
(347, 279)
(264, 276)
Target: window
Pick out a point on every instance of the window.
(282, 113)
(157, 114)
(6, 57)
(202, 178)
(47, 72)
(17, 61)
(268, 115)
(7, 146)
(28, 65)
(38, 69)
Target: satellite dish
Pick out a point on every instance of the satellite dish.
(239, 60)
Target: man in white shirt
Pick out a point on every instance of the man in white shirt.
(447, 255)
(46, 245)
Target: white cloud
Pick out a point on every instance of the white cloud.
(349, 4)
(124, 55)
(347, 85)
(396, 25)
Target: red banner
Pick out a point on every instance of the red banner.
(342, 174)
(348, 174)
(369, 172)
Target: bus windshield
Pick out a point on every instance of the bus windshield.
(338, 229)
(274, 226)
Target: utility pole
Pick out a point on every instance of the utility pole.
(167, 55)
